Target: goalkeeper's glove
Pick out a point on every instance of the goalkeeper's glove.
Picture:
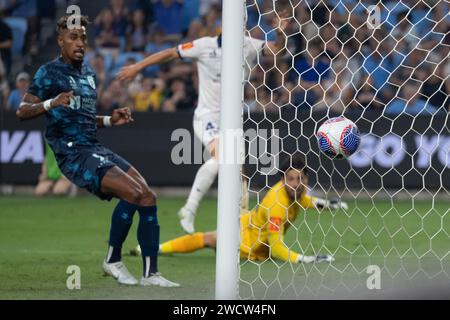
(318, 258)
(333, 204)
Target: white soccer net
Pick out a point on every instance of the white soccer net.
(385, 66)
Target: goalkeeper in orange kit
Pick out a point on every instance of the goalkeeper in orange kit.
(263, 228)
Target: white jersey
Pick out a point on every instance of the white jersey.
(208, 53)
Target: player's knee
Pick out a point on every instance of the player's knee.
(145, 197)
(135, 195)
(150, 197)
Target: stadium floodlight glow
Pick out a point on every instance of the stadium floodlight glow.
(227, 263)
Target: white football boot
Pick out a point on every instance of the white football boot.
(186, 220)
(118, 271)
(156, 279)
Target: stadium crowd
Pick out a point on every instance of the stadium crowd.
(333, 58)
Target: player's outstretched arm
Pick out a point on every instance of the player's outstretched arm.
(32, 107)
(280, 251)
(278, 248)
(119, 117)
(131, 71)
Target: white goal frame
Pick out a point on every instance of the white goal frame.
(229, 193)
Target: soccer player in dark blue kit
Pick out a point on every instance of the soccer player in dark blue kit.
(64, 91)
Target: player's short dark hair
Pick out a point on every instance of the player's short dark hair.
(62, 22)
(295, 161)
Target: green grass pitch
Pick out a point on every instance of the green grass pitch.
(40, 238)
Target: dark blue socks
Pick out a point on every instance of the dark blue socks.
(148, 238)
(121, 221)
(147, 234)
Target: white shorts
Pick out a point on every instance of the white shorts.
(206, 128)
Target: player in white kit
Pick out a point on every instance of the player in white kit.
(207, 51)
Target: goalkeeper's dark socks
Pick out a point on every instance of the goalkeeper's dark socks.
(148, 238)
(121, 221)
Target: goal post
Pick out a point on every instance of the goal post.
(229, 193)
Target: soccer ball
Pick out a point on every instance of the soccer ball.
(338, 138)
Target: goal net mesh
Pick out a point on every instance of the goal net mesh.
(385, 66)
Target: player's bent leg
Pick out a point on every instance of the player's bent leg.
(184, 244)
(205, 177)
(148, 234)
(149, 198)
(121, 185)
(113, 182)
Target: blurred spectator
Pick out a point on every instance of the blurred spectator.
(434, 89)
(6, 43)
(276, 76)
(169, 16)
(120, 16)
(22, 85)
(212, 22)
(157, 41)
(312, 69)
(409, 102)
(366, 96)
(114, 97)
(137, 32)
(97, 63)
(410, 67)
(4, 86)
(195, 31)
(150, 97)
(191, 12)
(379, 68)
(205, 5)
(333, 59)
(345, 77)
(249, 98)
(27, 9)
(144, 5)
(107, 34)
(402, 32)
(51, 180)
(264, 102)
(178, 98)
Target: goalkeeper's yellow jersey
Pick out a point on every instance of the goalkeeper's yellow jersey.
(263, 228)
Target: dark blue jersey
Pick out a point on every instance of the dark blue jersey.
(71, 131)
(74, 127)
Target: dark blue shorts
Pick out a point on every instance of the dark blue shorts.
(87, 167)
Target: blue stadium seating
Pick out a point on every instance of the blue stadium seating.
(19, 27)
